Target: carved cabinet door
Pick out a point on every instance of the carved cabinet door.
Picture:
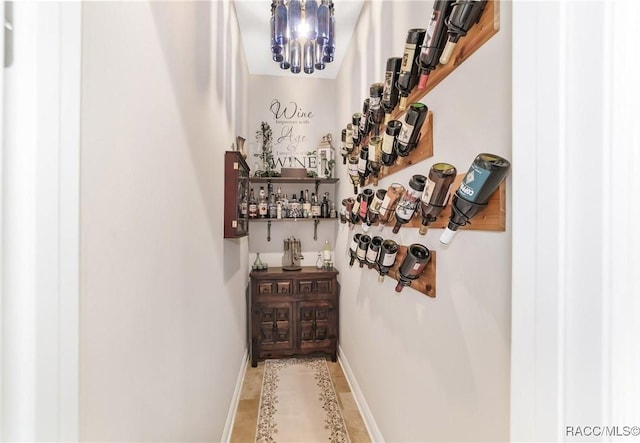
(316, 324)
(273, 323)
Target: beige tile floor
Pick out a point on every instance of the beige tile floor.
(244, 427)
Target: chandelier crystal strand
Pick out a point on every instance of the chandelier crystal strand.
(302, 34)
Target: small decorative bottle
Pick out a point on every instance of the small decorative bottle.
(319, 261)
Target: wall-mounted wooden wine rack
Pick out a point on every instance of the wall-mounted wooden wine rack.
(480, 33)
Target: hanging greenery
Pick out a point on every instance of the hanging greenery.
(264, 138)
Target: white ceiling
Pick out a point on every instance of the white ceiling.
(253, 20)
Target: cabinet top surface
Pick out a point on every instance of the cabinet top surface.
(305, 272)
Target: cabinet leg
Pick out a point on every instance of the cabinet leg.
(334, 357)
(254, 363)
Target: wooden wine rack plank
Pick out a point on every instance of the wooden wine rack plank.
(426, 283)
(491, 218)
(422, 151)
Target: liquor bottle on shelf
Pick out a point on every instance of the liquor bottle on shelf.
(412, 266)
(253, 205)
(279, 213)
(319, 261)
(389, 203)
(386, 258)
(408, 77)
(363, 246)
(409, 135)
(365, 125)
(244, 206)
(434, 41)
(353, 172)
(376, 113)
(481, 180)
(315, 206)
(407, 205)
(374, 160)
(463, 15)
(374, 208)
(306, 204)
(390, 91)
(333, 213)
(324, 206)
(347, 147)
(436, 193)
(263, 207)
(373, 251)
(366, 197)
(286, 210)
(355, 127)
(295, 208)
(273, 208)
(363, 171)
(388, 152)
(353, 248)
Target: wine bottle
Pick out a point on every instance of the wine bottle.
(324, 207)
(353, 248)
(366, 197)
(324, 12)
(436, 193)
(346, 148)
(481, 180)
(355, 126)
(311, 19)
(409, 69)
(276, 47)
(434, 41)
(373, 251)
(409, 201)
(315, 206)
(386, 258)
(296, 56)
(352, 169)
(329, 49)
(375, 153)
(363, 171)
(376, 113)
(389, 203)
(363, 246)
(390, 91)
(280, 23)
(309, 56)
(244, 206)
(263, 207)
(412, 266)
(463, 15)
(355, 210)
(253, 205)
(295, 18)
(409, 135)
(306, 204)
(388, 153)
(273, 209)
(345, 210)
(285, 63)
(374, 207)
(365, 126)
(326, 255)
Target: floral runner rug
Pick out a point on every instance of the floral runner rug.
(298, 403)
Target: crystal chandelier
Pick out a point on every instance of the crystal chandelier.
(302, 34)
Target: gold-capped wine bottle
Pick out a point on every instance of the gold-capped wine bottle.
(408, 77)
(436, 193)
(409, 202)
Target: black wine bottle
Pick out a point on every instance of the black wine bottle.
(355, 126)
(365, 125)
(353, 248)
(408, 77)
(482, 179)
(363, 246)
(373, 251)
(374, 207)
(376, 113)
(436, 193)
(390, 90)
(409, 201)
(386, 258)
(409, 135)
(463, 15)
(388, 150)
(434, 41)
(363, 171)
(412, 266)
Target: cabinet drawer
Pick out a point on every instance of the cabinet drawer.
(320, 286)
(274, 287)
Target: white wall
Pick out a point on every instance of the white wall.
(434, 369)
(162, 294)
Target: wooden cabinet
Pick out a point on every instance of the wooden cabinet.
(293, 313)
(236, 194)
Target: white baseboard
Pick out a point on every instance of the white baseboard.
(372, 427)
(231, 415)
